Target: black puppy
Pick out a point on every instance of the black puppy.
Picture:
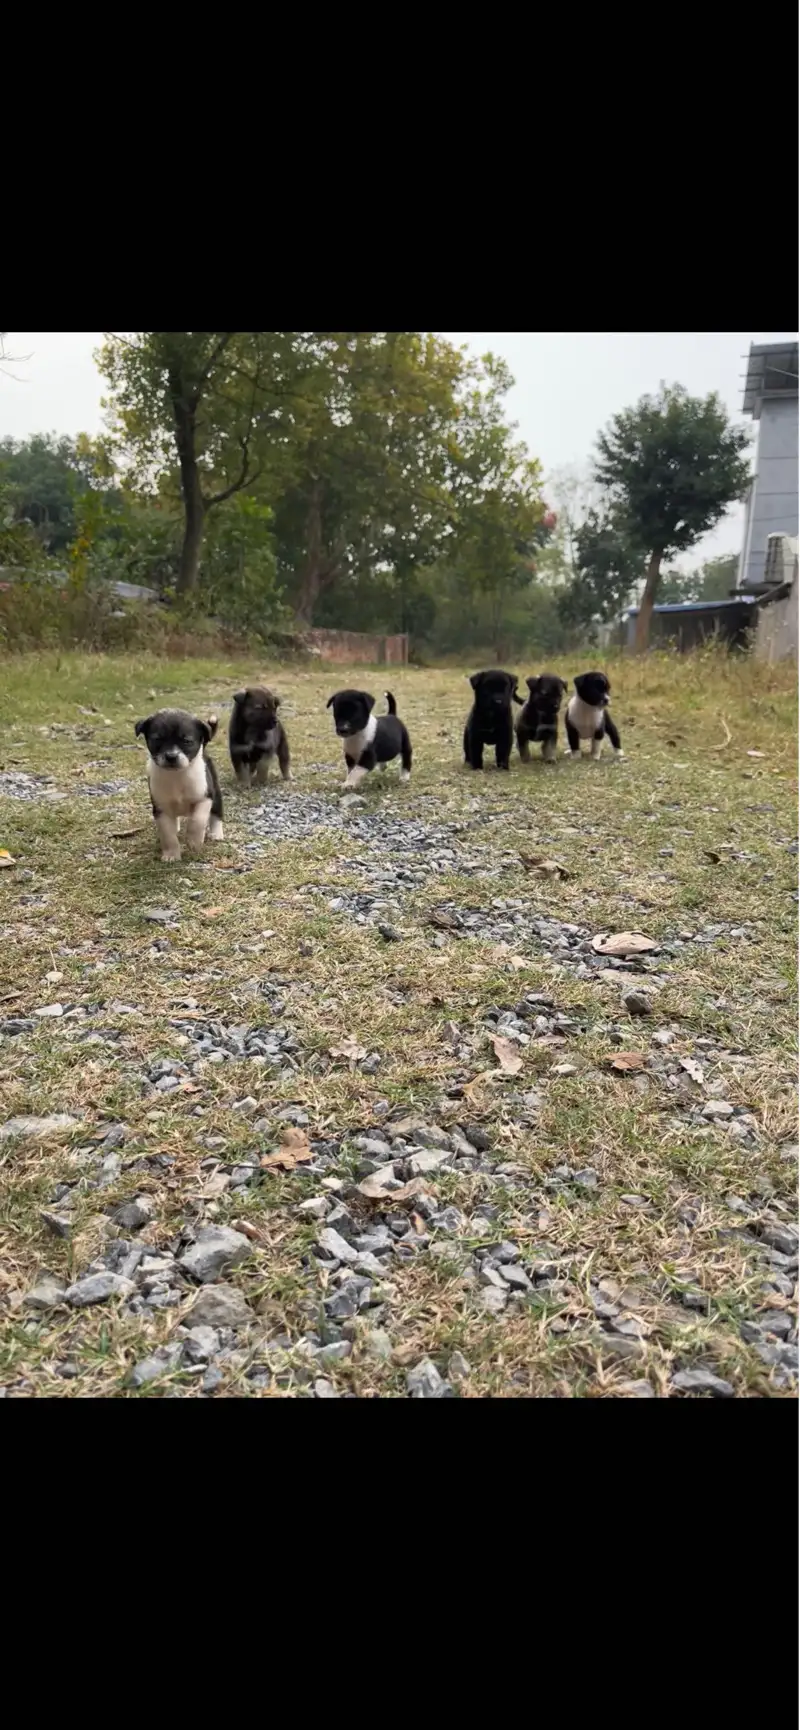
(183, 781)
(539, 719)
(256, 736)
(490, 721)
(369, 740)
(588, 717)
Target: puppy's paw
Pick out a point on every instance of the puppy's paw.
(619, 753)
(405, 774)
(171, 856)
(215, 830)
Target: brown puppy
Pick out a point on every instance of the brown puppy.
(256, 736)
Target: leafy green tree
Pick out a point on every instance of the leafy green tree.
(671, 467)
(204, 407)
(46, 477)
(607, 571)
(712, 581)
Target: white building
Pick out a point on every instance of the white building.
(771, 397)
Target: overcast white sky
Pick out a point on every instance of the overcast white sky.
(567, 386)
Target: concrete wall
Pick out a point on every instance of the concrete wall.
(358, 648)
(776, 635)
(773, 505)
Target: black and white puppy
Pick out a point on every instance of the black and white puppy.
(490, 721)
(183, 781)
(588, 717)
(370, 741)
(538, 722)
(256, 736)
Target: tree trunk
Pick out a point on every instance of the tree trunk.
(184, 410)
(312, 569)
(647, 604)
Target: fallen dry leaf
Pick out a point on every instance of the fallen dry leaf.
(626, 1060)
(226, 864)
(211, 912)
(507, 1054)
(248, 1230)
(6, 860)
(715, 858)
(350, 1049)
(545, 867)
(215, 1185)
(374, 1189)
(518, 962)
(622, 943)
(692, 1067)
(54, 977)
(294, 1150)
(418, 1224)
(7, 996)
(125, 834)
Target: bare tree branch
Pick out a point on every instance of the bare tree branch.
(11, 360)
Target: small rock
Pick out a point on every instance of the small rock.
(428, 1159)
(378, 1344)
(316, 1207)
(352, 802)
(200, 1344)
(59, 1223)
(778, 1236)
(325, 1390)
(717, 1108)
(425, 1383)
(334, 1248)
(458, 1368)
(134, 1213)
(50, 1010)
(38, 1126)
(389, 934)
(158, 915)
(369, 1266)
(702, 1382)
(46, 1294)
(219, 1306)
(97, 1287)
(333, 1352)
(564, 1069)
(211, 1380)
(165, 1359)
(637, 1390)
(516, 1278)
(663, 1037)
(494, 1299)
(245, 1107)
(637, 1003)
(217, 1247)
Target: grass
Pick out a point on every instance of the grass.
(709, 772)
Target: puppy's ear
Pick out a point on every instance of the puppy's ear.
(277, 702)
(330, 700)
(240, 696)
(370, 701)
(213, 723)
(142, 726)
(475, 680)
(564, 685)
(533, 684)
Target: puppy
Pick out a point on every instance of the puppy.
(183, 780)
(369, 739)
(588, 717)
(256, 736)
(490, 721)
(539, 718)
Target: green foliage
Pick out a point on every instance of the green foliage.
(671, 466)
(712, 581)
(608, 568)
(45, 478)
(239, 579)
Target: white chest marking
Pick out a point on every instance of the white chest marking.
(357, 743)
(584, 719)
(176, 791)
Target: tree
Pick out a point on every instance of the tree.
(712, 581)
(607, 570)
(203, 403)
(367, 484)
(671, 467)
(46, 476)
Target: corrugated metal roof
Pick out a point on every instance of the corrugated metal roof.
(695, 606)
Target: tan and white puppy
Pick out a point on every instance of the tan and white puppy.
(184, 788)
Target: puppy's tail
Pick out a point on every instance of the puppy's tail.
(213, 723)
(391, 702)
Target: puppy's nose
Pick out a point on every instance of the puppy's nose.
(172, 755)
